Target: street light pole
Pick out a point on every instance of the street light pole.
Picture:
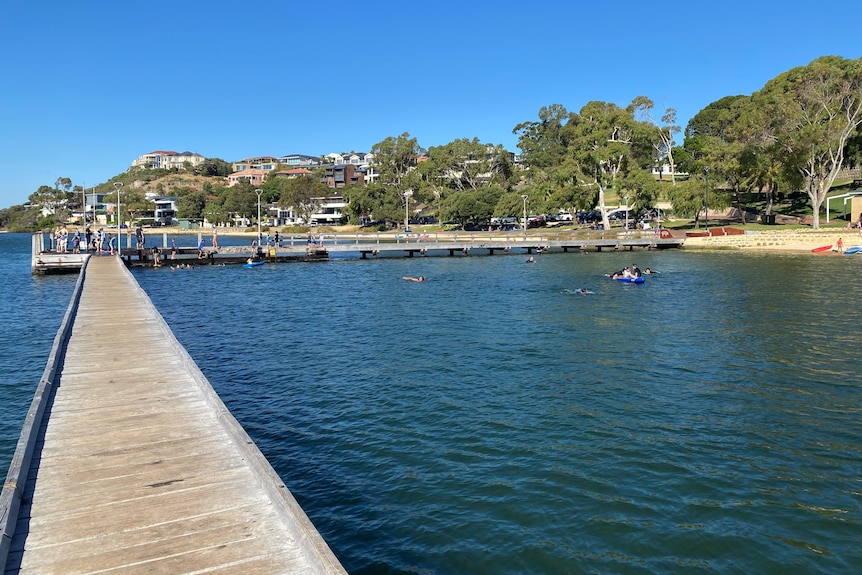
(118, 185)
(407, 195)
(524, 198)
(259, 192)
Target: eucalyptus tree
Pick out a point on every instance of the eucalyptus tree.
(606, 141)
(461, 167)
(467, 164)
(811, 112)
(215, 212)
(54, 200)
(575, 158)
(373, 201)
(542, 143)
(303, 194)
(191, 204)
(725, 140)
(394, 159)
(553, 178)
(134, 203)
(687, 198)
(241, 200)
(474, 204)
(46, 198)
(664, 133)
(641, 189)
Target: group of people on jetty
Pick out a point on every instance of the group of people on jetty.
(65, 241)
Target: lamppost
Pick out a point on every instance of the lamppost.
(524, 198)
(117, 186)
(706, 201)
(407, 196)
(258, 192)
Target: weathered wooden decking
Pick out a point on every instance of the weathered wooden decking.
(138, 467)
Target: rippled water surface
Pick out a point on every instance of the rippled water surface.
(32, 309)
(487, 421)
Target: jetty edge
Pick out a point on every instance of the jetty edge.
(124, 466)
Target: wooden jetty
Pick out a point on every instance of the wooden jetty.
(365, 245)
(129, 461)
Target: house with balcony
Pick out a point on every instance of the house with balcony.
(264, 163)
(164, 210)
(361, 161)
(341, 175)
(353, 158)
(94, 205)
(330, 211)
(279, 216)
(168, 160)
(300, 161)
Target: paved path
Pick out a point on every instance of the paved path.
(142, 469)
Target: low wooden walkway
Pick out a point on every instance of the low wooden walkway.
(138, 467)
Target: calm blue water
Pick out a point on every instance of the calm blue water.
(487, 422)
(31, 310)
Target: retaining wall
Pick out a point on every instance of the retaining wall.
(778, 240)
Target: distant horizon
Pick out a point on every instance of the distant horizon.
(110, 85)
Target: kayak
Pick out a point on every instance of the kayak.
(822, 249)
(852, 250)
(631, 280)
(252, 264)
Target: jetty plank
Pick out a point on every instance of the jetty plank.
(140, 468)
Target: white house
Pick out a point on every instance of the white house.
(168, 160)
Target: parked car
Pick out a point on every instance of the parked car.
(621, 215)
(589, 217)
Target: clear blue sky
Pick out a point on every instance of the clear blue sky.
(89, 86)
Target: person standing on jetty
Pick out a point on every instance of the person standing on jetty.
(215, 237)
(139, 237)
